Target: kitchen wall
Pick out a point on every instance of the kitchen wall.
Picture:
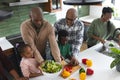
(11, 26)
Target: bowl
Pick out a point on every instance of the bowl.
(111, 44)
(52, 75)
(51, 68)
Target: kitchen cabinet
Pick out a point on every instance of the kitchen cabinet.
(52, 5)
(20, 3)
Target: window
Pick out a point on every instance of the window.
(116, 4)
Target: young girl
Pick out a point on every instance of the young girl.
(28, 63)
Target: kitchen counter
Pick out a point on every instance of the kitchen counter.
(101, 66)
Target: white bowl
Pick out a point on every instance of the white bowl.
(50, 74)
(107, 44)
(53, 75)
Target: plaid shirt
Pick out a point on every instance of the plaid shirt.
(76, 31)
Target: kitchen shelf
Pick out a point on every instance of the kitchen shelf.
(24, 2)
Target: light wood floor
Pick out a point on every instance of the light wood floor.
(84, 46)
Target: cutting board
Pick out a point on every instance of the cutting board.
(74, 68)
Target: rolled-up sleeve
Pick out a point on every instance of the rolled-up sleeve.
(28, 38)
(54, 46)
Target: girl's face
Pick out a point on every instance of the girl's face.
(107, 16)
(28, 53)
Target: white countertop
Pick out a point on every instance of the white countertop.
(101, 67)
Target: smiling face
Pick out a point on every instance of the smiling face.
(107, 16)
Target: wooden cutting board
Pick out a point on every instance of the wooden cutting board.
(74, 68)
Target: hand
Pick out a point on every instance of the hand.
(102, 41)
(40, 63)
(62, 58)
(22, 78)
(74, 61)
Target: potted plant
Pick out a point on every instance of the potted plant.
(115, 53)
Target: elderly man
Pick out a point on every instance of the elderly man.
(36, 32)
(75, 29)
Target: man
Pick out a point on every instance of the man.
(6, 64)
(75, 29)
(36, 32)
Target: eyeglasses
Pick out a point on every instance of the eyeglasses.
(70, 19)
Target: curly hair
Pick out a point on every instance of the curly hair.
(62, 33)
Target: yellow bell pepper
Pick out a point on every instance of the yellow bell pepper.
(83, 76)
(65, 73)
(89, 63)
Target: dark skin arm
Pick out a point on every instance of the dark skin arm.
(99, 39)
(73, 61)
(35, 74)
(16, 76)
(7, 64)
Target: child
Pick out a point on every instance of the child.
(64, 46)
(28, 63)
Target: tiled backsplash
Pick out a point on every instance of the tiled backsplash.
(11, 26)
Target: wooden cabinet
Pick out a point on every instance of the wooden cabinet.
(52, 5)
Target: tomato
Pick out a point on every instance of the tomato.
(84, 60)
(89, 71)
(68, 68)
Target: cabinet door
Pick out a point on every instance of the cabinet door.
(52, 5)
(56, 4)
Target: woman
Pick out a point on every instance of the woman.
(6, 64)
(101, 28)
